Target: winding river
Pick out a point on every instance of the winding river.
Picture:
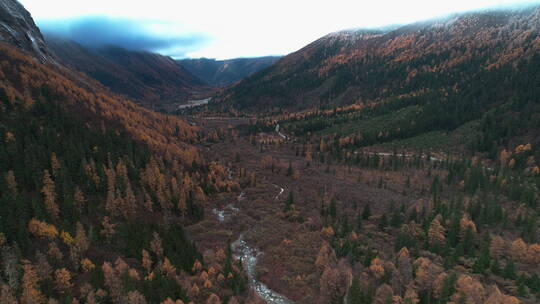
(249, 256)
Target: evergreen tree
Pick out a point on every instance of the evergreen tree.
(367, 212)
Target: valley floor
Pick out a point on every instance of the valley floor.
(287, 242)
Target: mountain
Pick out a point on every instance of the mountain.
(143, 76)
(362, 66)
(220, 73)
(18, 28)
(88, 180)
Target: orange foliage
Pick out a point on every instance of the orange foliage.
(42, 229)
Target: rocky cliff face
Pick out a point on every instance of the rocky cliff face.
(18, 29)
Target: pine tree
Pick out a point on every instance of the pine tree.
(383, 222)
(355, 294)
(289, 202)
(509, 271)
(367, 212)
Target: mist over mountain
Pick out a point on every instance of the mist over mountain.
(225, 72)
(135, 35)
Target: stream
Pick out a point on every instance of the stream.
(280, 191)
(249, 257)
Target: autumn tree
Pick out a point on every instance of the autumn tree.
(497, 297)
(147, 261)
(49, 195)
(436, 233)
(325, 258)
(108, 228)
(62, 279)
(112, 282)
(11, 183)
(384, 294)
(469, 289)
(213, 299)
(333, 284)
(497, 247)
(156, 246)
(30, 285)
(6, 295)
(426, 274)
(135, 297)
(377, 268)
(80, 244)
(518, 250)
(79, 199)
(404, 267)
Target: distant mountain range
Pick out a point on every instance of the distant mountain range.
(225, 72)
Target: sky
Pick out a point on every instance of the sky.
(225, 29)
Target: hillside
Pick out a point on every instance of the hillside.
(434, 79)
(95, 192)
(414, 60)
(143, 76)
(225, 72)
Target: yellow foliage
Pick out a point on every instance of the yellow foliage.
(42, 229)
(66, 238)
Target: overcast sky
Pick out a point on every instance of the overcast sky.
(229, 28)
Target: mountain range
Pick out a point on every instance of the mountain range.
(225, 72)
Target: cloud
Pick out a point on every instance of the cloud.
(139, 35)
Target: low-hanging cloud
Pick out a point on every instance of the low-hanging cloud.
(137, 35)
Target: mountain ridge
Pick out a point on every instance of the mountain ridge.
(226, 72)
(332, 70)
(144, 76)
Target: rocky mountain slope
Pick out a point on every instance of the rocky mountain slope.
(225, 72)
(18, 28)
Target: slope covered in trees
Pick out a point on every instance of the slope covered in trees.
(142, 76)
(95, 192)
(432, 60)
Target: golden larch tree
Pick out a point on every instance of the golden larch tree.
(49, 196)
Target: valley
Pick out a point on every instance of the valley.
(394, 166)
